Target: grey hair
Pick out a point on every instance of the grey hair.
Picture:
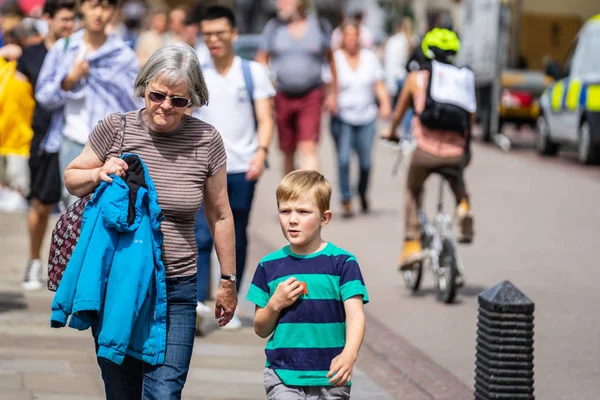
(349, 22)
(172, 65)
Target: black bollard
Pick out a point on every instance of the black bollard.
(504, 358)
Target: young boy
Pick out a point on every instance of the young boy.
(310, 296)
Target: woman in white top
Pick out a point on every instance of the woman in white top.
(360, 81)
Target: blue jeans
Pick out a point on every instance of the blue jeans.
(241, 193)
(134, 379)
(406, 121)
(348, 137)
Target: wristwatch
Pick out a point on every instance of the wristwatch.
(230, 277)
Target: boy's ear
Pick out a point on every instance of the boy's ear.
(327, 215)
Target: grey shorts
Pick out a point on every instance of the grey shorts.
(276, 390)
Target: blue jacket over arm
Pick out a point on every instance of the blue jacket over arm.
(115, 280)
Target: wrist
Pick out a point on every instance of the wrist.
(96, 176)
(274, 306)
(67, 83)
(262, 151)
(353, 355)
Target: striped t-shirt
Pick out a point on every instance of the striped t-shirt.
(311, 332)
(179, 163)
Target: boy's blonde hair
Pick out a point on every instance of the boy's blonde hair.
(296, 183)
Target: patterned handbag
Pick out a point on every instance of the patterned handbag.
(67, 230)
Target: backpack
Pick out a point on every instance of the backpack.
(247, 72)
(450, 98)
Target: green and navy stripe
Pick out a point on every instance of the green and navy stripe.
(311, 332)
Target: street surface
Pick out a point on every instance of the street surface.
(536, 225)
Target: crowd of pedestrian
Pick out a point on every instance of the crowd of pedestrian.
(200, 121)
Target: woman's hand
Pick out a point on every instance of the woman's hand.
(226, 302)
(112, 166)
(330, 104)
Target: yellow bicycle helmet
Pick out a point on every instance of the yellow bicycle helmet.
(440, 44)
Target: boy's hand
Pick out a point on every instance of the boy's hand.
(340, 371)
(287, 293)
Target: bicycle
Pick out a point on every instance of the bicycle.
(440, 252)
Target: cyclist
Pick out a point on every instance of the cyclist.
(435, 148)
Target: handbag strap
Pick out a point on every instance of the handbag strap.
(122, 134)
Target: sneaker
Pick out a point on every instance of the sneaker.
(12, 202)
(464, 222)
(411, 254)
(33, 272)
(234, 324)
(202, 310)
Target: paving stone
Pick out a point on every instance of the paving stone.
(67, 383)
(222, 362)
(11, 381)
(228, 350)
(364, 388)
(70, 355)
(54, 396)
(87, 368)
(34, 365)
(221, 391)
(226, 376)
(16, 395)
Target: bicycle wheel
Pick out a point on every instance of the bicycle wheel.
(412, 277)
(447, 273)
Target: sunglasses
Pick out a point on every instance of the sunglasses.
(176, 101)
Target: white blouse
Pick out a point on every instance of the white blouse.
(356, 97)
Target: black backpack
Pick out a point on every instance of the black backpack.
(450, 98)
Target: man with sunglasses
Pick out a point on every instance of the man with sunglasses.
(240, 108)
(84, 78)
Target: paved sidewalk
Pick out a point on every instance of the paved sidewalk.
(37, 362)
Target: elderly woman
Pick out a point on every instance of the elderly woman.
(360, 81)
(185, 158)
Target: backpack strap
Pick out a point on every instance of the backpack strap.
(247, 72)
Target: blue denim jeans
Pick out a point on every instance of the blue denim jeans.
(241, 193)
(134, 379)
(409, 113)
(348, 137)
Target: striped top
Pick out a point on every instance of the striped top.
(311, 332)
(179, 163)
